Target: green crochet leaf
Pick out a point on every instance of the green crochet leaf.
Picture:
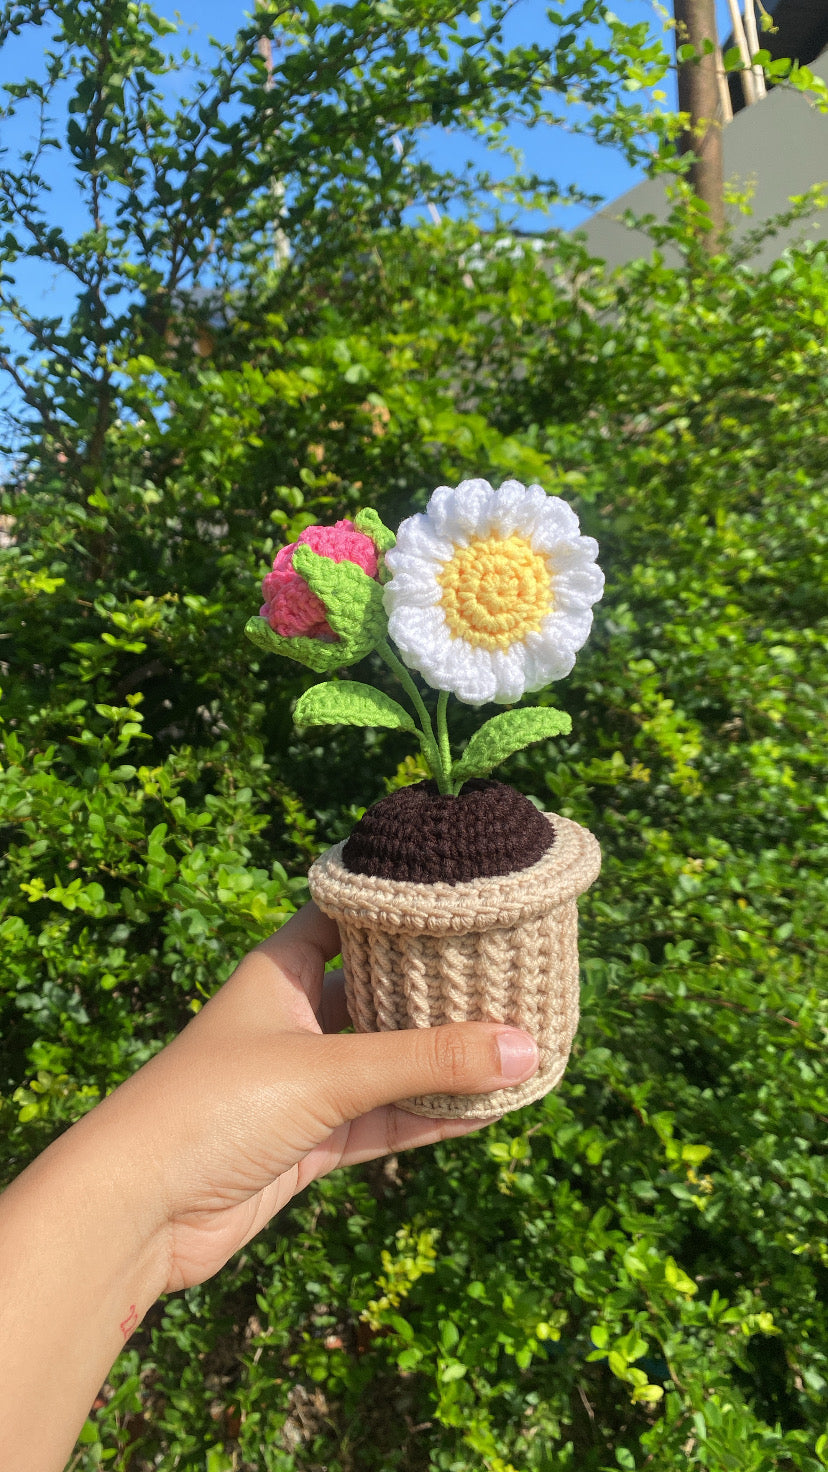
(505, 734)
(368, 522)
(315, 653)
(353, 602)
(348, 703)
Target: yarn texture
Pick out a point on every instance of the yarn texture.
(419, 835)
(455, 898)
(290, 607)
(500, 948)
(491, 591)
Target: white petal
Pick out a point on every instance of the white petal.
(546, 658)
(414, 582)
(416, 631)
(511, 488)
(440, 512)
(577, 587)
(509, 669)
(567, 629)
(444, 663)
(571, 552)
(418, 538)
(557, 523)
(517, 509)
(469, 674)
(462, 513)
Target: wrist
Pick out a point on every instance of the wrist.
(81, 1261)
(106, 1175)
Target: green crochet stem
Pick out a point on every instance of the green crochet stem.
(443, 736)
(437, 754)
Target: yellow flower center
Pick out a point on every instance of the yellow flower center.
(495, 591)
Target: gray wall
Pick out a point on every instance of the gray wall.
(779, 144)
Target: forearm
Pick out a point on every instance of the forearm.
(179, 1167)
(79, 1267)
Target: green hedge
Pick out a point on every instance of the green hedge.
(632, 1272)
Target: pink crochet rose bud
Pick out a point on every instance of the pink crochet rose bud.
(290, 607)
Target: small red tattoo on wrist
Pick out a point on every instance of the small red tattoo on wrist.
(130, 1322)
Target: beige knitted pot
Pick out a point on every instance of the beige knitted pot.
(501, 949)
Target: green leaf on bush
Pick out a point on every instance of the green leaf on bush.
(218, 1460)
(454, 1370)
(649, 1393)
(349, 703)
(408, 1359)
(694, 400)
(88, 1434)
(505, 734)
(402, 1326)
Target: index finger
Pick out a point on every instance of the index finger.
(307, 927)
(301, 949)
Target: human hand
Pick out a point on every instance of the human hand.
(159, 1185)
(260, 1095)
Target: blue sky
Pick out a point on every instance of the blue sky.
(569, 157)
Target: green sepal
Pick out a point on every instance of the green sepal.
(353, 602)
(368, 522)
(349, 703)
(317, 654)
(505, 734)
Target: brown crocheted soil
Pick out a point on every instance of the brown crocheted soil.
(420, 836)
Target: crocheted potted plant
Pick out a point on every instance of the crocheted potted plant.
(455, 898)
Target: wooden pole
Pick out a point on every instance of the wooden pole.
(752, 38)
(725, 103)
(748, 79)
(698, 95)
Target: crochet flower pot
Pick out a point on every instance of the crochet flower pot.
(462, 908)
(456, 898)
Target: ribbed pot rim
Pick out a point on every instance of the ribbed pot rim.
(397, 907)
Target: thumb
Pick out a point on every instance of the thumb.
(363, 1071)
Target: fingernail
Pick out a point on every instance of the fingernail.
(518, 1055)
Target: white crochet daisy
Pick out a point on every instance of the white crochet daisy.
(491, 591)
